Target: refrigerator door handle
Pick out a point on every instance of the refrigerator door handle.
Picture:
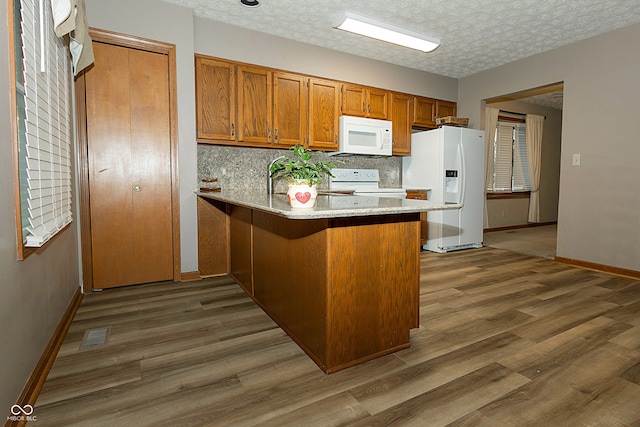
(463, 184)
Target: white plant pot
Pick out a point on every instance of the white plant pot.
(302, 196)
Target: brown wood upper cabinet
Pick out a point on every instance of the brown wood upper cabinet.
(446, 108)
(324, 114)
(401, 118)
(215, 100)
(254, 105)
(365, 101)
(290, 118)
(424, 112)
(250, 105)
(427, 110)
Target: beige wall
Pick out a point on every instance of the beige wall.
(599, 201)
(507, 213)
(33, 293)
(504, 213)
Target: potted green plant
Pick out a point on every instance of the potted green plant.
(302, 174)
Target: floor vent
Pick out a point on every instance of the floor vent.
(95, 338)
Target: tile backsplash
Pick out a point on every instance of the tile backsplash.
(246, 168)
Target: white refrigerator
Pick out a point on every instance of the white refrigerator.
(450, 162)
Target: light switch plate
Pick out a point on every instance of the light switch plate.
(576, 160)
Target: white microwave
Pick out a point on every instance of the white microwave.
(359, 135)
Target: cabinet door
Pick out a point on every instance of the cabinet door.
(424, 112)
(289, 109)
(420, 195)
(378, 104)
(129, 166)
(362, 101)
(324, 107)
(254, 105)
(445, 109)
(353, 100)
(215, 100)
(401, 123)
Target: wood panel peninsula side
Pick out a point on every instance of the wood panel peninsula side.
(341, 279)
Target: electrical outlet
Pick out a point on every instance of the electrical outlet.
(576, 160)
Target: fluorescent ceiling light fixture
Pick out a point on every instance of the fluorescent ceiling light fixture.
(387, 32)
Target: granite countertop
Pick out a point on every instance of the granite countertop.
(409, 188)
(327, 205)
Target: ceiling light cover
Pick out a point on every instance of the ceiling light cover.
(387, 32)
(250, 3)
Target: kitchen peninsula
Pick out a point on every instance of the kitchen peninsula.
(342, 279)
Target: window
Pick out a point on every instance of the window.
(510, 167)
(43, 125)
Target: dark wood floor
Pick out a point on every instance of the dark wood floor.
(505, 340)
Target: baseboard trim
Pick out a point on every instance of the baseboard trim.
(34, 385)
(190, 276)
(633, 274)
(515, 227)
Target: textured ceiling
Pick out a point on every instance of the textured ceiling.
(551, 99)
(476, 35)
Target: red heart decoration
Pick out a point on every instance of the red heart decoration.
(303, 197)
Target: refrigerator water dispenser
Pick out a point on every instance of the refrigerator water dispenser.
(451, 181)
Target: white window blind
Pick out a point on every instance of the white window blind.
(48, 124)
(510, 159)
(520, 163)
(502, 157)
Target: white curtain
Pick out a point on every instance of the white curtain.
(490, 125)
(535, 126)
(69, 17)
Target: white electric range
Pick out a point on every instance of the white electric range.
(363, 182)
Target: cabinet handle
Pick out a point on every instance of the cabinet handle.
(363, 108)
(336, 138)
(369, 108)
(233, 129)
(276, 134)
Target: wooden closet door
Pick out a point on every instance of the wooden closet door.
(129, 153)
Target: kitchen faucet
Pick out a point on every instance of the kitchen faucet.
(269, 179)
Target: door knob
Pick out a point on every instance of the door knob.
(137, 188)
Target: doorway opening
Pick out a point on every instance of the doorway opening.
(509, 212)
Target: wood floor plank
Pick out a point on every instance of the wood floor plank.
(560, 350)
(545, 327)
(397, 387)
(335, 410)
(255, 406)
(632, 374)
(629, 338)
(505, 339)
(445, 404)
(592, 370)
(627, 314)
(71, 386)
(543, 401)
